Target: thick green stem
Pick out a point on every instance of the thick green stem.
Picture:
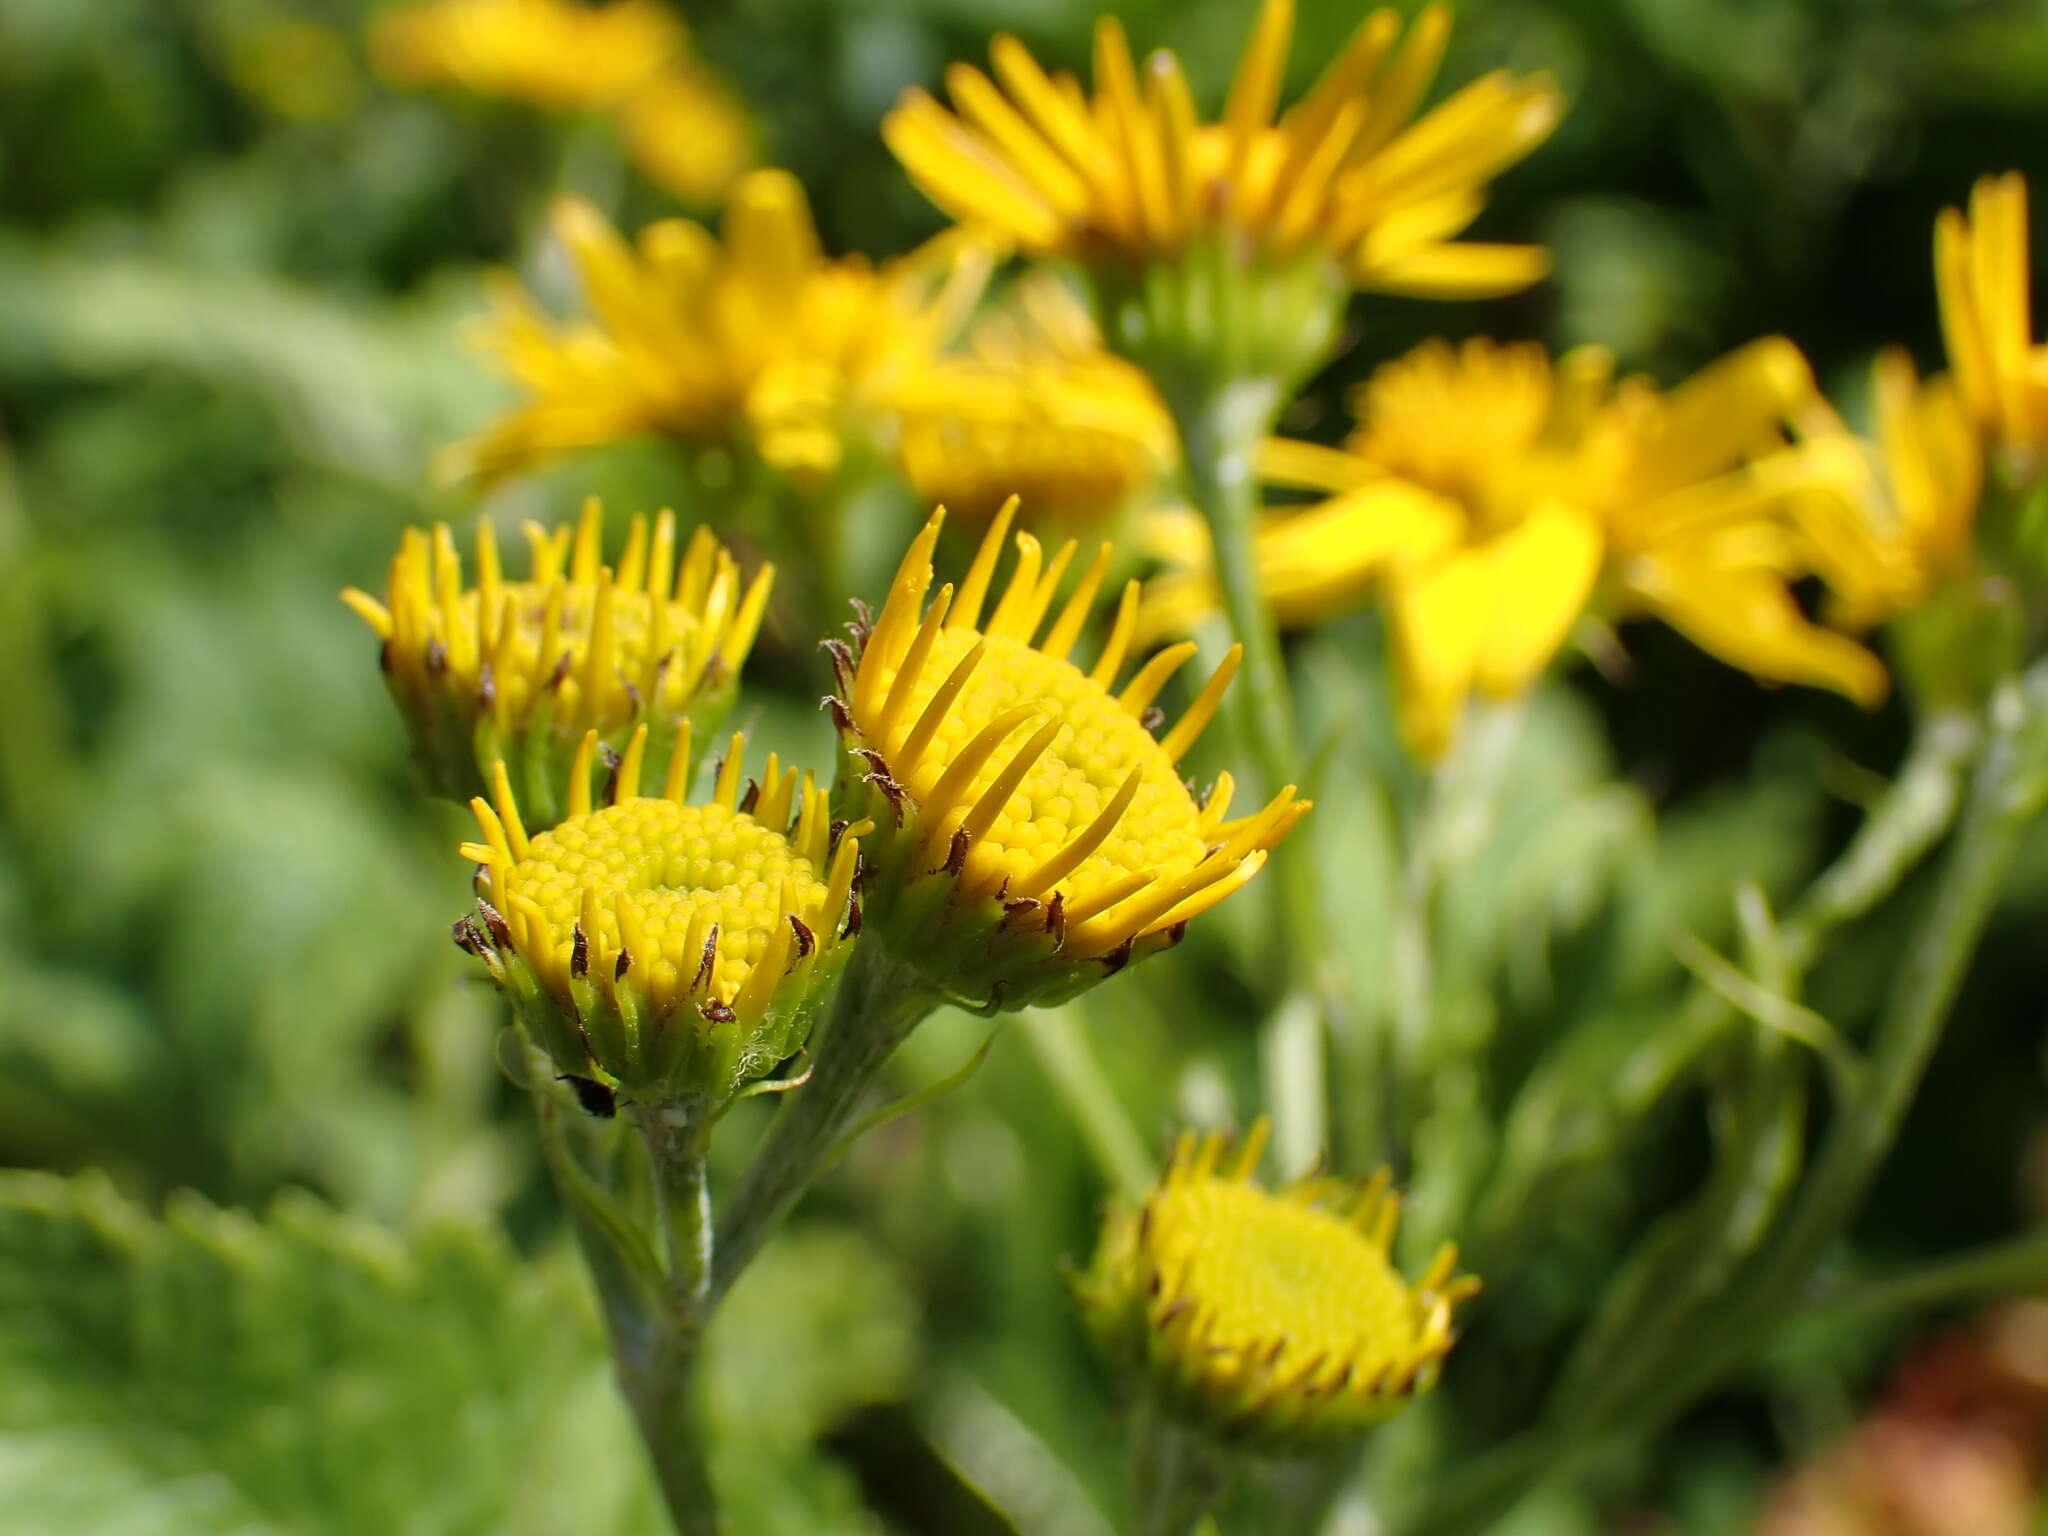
(879, 1002)
(1177, 1475)
(660, 1376)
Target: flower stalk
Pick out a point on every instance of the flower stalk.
(880, 1001)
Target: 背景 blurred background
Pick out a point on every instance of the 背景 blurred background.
(234, 264)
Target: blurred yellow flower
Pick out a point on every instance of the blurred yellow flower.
(1493, 498)
(1981, 272)
(1275, 1318)
(1037, 409)
(1885, 551)
(688, 133)
(1350, 172)
(758, 343)
(556, 54)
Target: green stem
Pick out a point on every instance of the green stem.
(1221, 430)
(1220, 435)
(1177, 1475)
(1059, 1039)
(878, 1003)
(660, 1378)
(2018, 1266)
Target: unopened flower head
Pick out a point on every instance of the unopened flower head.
(1981, 271)
(1274, 1319)
(1348, 187)
(665, 949)
(1496, 498)
(1040, 410)
(520, 670)
(755, 343)
(1033, 835)
(556, 54)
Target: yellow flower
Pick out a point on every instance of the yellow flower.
(1494, 498)
(1886, 550)
(552, 53)
(1133, 175)
(1981, 273)
(758, 343)
(521, 670)
(665, 949)
(688, 133)
(1033, 836)
(1272, 1318)
(1039, 410)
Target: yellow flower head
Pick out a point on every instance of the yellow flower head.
(1349, 174)
(1038, 410)
(757, 343)
(1032, 834)
(1495, 497)
(520, 670)
(1275, 1318)
(1981, 273)
(556, 54)
(665, 949)
(688, 133)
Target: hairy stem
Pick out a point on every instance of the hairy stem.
(878, 1003)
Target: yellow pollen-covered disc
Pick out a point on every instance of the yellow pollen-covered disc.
(1094, 752)
(677, 868)
(1259, 1269)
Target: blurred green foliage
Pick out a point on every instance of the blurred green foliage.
(228, 311)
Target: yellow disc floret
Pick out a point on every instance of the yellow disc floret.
(674, 948)
(1270, 1315)
(1036, 789)
(521, 669)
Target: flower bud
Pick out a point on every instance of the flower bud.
(521, 670)
(1032, 835)
(666, 950)
(1270, 1319)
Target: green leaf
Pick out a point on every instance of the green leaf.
(306, 1372)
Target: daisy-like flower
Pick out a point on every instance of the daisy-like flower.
(1348, 185)
(1033, 835)
(1273, 1319)
(1493, 498)
(1037, 409)
(665, 950)
(757, 344)
(555, 54)
(1981, 271)
(521, 670)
